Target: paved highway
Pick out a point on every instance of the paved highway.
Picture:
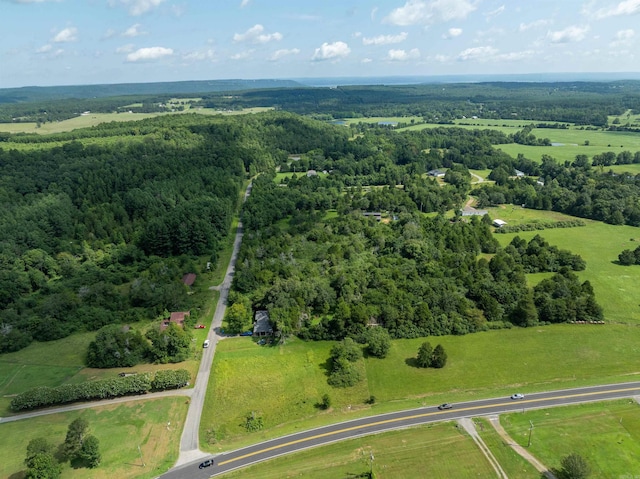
(398, 420)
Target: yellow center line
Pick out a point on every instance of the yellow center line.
(415, 416)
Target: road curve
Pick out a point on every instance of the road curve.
(397, 420)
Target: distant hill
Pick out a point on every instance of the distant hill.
(34, 93)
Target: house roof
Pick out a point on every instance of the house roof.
(189, 279)
(262, 323)
(176, 317)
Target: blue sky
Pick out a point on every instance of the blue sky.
(62, 42)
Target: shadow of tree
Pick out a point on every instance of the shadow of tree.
(412, 362)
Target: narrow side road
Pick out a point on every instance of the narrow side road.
(189, 442)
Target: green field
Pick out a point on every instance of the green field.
(283, 384)
(93, 119)
(438, 450)
(154, 425)
(599, 244)
(606, 434)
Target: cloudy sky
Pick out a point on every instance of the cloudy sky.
(61, 42)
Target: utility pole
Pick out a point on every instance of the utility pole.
(140, 451)
(371, 465)
(530, 429)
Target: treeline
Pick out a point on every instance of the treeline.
(574, 188)
(142, 383)
(101, 234)
(413, 275)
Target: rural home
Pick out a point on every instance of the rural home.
(436, 173)
(262, 324)
(188, 279)
(176, 318)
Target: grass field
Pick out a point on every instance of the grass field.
(606, 434)
(438, 450)
(599, 245)
(283, 384)
(93, 119)
(120, 430)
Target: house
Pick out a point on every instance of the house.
(499, 223)
(436, 173)
(176, 318)
(261, 324)
(311, 173)
(188, 279)
(520, 174)
(377, 216)
(469, 211)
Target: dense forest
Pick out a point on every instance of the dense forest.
(101, 234)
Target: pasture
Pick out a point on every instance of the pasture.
(606, 434)
(153, 425)
(283, 384)
(599, 244)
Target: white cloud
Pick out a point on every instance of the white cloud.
(374, 10)
(402, 55)
(331, 51)
(385, 39)
(477, 54)
(429, 11)
(128, 48)
(494, 13)
(452, 33)
(627, 7)
(442, 58)
(110, 33)
(150, 53)
(366, 60)
(256, 35)
(65, 35)
(569, 34)
(242, 55)
(515, 56)
(278, 54)
(44, 48)
(535, 24)
(133, 31)
(208, 54)
(137, 7)
(245, 3)
(623, 38)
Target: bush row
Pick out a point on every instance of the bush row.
(44, 396)
(540, 226)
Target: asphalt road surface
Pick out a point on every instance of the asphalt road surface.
(189, 441)
(398, 420)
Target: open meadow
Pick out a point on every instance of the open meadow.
(606, 434)
(155, 426)
(436, 450)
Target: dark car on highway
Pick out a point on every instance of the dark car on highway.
(207, 463)
(445, 406)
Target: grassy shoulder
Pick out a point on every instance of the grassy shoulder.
(283, 384)
(154, 425)
(606, 434)
(437, 450)
(514, 465)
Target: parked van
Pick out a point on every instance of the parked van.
(206, 343)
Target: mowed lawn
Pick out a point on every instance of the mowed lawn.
(599, 244)
(439, 450)
(283, 384)
(606, 434)
(153, 425)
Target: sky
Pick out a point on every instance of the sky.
(75, 42)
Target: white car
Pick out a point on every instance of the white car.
(517, 396)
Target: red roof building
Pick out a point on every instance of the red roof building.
(177, 318)
(189, 278)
